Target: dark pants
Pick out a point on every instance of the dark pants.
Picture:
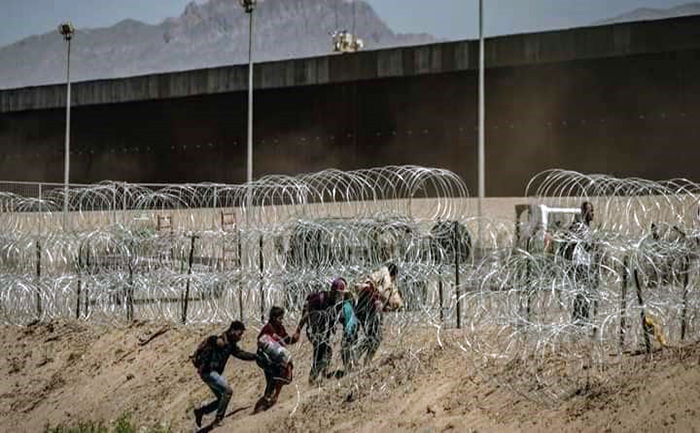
(221, 390)
(276, 377)
(371, 322)
(323, 353)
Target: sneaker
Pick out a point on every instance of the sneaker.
(198, 417)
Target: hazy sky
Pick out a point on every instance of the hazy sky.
(450, 19)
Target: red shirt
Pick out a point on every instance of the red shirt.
(278, 333)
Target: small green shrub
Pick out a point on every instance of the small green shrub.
(123, 424)
(80, 427)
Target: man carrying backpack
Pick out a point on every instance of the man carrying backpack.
(210, 360)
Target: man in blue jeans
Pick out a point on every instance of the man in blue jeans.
(210, 360)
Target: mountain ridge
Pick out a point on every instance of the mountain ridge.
(650, 14)
(210, 34)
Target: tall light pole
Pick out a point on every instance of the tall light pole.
(67, 30)
(249, 6)
(482, 156)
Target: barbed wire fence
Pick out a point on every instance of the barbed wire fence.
(203, 253)
(550, 324)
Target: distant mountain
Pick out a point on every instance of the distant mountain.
(647, 14)
(207, 34)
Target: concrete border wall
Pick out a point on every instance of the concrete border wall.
(616, 40)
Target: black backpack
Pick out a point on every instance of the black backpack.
(204, 351)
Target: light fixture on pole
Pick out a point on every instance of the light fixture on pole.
(249, 5)
(67, 31)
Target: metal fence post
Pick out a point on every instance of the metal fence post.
(684, 312)
(130, 294)
(240, 283)
(87, 291)
(214, 213)
(124, 203)
(623, 300)
(80, 268)
(643, 314)
(457, 289)
(187, 289)
(38, 257)
(38, 278)
(262, 282)
(41, 211)
(113, 205)
(442, 314)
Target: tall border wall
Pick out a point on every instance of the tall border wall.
(619, 99)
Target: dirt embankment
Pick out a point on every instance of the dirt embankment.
(65, 371)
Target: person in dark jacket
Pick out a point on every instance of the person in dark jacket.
(210, 360)
(322, 310)
(274, 358)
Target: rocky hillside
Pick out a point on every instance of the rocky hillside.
(646, 14)
(207, 34)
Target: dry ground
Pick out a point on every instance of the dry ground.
(62, 372)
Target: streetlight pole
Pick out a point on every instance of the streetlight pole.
(67, 30)
(482, 156)
(249, 6)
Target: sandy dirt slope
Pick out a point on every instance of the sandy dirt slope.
(63, 371)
